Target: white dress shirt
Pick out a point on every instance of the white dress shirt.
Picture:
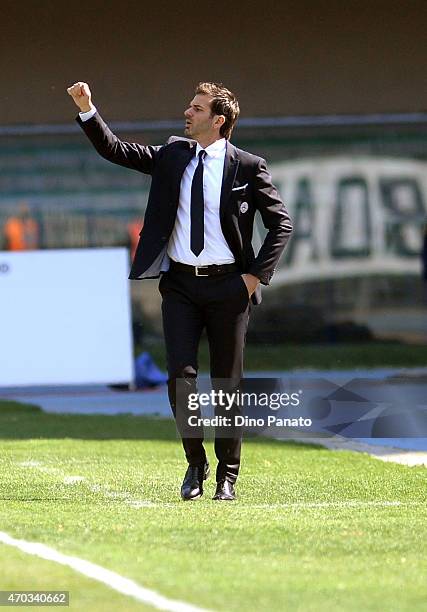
(216, 249)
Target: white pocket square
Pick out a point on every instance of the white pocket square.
(239, 188)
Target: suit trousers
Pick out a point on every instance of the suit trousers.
(220, 304)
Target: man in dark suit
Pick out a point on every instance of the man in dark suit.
(197, 235)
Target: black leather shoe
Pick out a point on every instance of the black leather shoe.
(224, 491)
(192, 485)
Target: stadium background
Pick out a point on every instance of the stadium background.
(333, 95)
(322, 87)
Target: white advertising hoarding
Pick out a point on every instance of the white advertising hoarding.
(352, 216)
(65, 317)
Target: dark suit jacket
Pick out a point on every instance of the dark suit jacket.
(245, 180)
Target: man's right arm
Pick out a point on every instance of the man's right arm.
(130, 155)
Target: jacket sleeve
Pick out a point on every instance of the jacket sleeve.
(130, 155)
(276, 220)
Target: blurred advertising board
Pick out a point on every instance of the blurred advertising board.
(66, 317)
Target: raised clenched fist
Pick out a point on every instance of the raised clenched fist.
(81, 95)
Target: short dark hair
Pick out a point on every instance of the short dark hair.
(224, 103)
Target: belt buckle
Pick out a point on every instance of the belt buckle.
(197, 268)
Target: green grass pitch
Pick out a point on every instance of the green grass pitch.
(312, 529)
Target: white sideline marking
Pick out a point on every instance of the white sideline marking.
(338, 504)
(73, 479)
(92, 570)
(140, 503)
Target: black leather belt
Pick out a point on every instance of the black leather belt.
(211, 270)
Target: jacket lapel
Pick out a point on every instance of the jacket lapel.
(231, 163)
(179, 165)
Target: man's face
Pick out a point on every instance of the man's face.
(199, 123)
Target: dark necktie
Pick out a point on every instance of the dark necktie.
(197, 209)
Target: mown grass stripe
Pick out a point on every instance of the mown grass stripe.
(94, 488)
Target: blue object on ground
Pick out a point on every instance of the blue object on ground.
(147, 374)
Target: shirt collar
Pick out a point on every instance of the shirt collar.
(213, 150)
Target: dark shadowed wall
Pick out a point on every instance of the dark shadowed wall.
(143, 59)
